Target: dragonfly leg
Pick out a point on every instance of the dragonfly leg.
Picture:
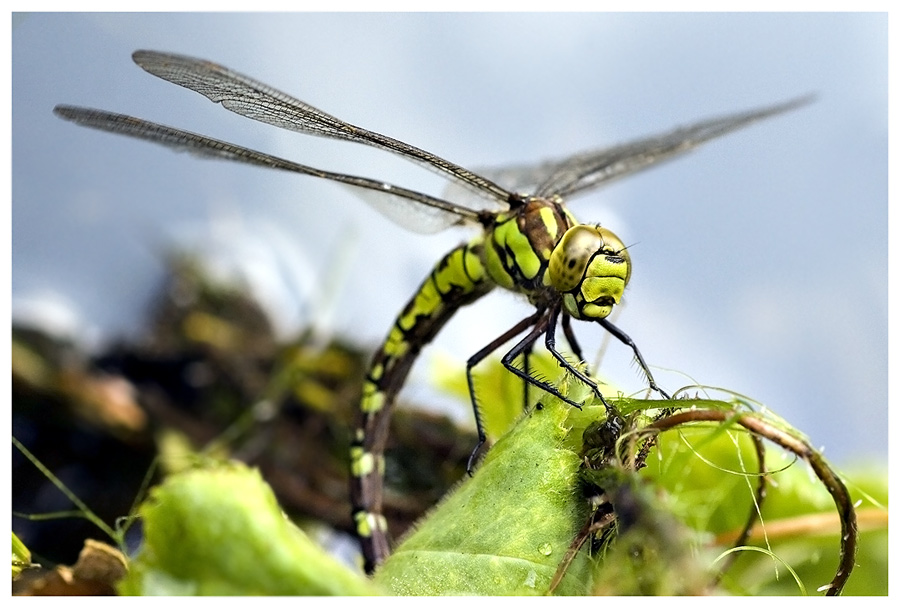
(478, 358)
(624, 338)
(570, 337)
(526, 365)
(527, 342)
(550, 341)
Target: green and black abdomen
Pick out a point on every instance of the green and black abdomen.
(458, 279)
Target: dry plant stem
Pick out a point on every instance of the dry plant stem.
(832, 482)
(867, 519)
(590, 527)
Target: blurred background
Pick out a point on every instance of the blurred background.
(760, 261)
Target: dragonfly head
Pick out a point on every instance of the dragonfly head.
(590, 267)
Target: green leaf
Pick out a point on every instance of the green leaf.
(710, 476)
(220, 532)
(504, 531)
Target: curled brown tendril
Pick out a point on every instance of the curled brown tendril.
(761, 428)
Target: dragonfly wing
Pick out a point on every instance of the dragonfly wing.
(253, 99)
(411, 215)
(414, 210)
(523, 179)
(589, 170)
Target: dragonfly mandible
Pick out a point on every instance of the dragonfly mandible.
(528, 243)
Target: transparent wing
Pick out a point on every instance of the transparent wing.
(248, 97)
(523, 179)
(414, 210)
(588, 170)
(584, 171)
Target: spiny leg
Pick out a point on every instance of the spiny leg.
(550, 342)
(614, 422)
(624, 338)
(570, 337)
(539, 320)
(526, 365)
(527, 342)
(478, 358)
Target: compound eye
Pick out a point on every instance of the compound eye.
(613, 246)
(572, 254)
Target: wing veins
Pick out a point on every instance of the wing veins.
(207, 147)
(588, 170)
(258, 101)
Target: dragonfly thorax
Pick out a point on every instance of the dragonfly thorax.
(540, 250)
(590, 267)
(518, 245)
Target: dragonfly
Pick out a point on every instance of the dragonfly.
(528, 242)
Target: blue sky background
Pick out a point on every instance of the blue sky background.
(760, 261)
